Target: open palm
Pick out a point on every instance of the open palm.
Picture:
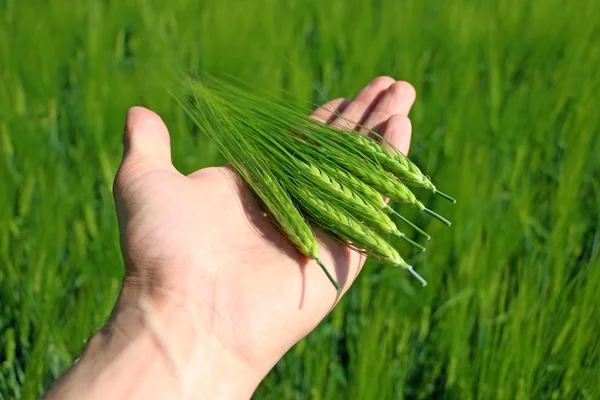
(199, 248)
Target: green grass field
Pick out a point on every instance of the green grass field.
(507, 120)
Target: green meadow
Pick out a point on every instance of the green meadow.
(507, 120)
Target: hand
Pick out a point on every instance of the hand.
(217, 289)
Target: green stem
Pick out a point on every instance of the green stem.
(415, 227)
(436, 215)
(416, 275)
(407, 240)
(445, 196)
(331, 279)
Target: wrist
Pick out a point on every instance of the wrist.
(157, 352)
(199, 365)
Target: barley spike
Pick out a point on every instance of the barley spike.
(369, 194)
(369, 214)
(398, 164)
(345, 226)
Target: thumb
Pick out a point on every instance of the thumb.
(146, 148)
(146, 141)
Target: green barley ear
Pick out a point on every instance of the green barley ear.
(404, 170)
(280, 120)
(349, 230)
(396, 190)
(394, 161)
(264, 138)
(331, 149)
(418, 178)
(369, 194)
(342, 197)
(286, 216)
(306, 173)
(252, 165)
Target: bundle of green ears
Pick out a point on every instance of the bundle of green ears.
(307, 172)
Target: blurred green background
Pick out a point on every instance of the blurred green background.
(507, 120)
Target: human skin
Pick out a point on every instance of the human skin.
(214, 294)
